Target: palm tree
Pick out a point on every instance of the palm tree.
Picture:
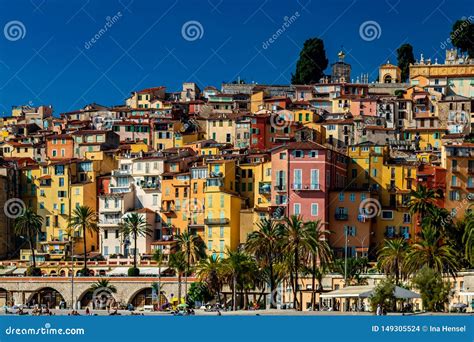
(193, 248)
(355, 268)
(29, 225)
(265, 245)
(178, 262)
(468, 237)
(295, 244)
(433, 251)
(84, 218)
(391, 257)
(102, 288)
(209, 271)
(319, 251)
(234, 267)
(422, 201)
(135, 224)
(158, 256)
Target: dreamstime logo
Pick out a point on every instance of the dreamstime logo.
(109, 22)
(102, 297)
(370, 30)
(192, 30)
(287, 22)
(14, 30)
(103, 122)
(466, 22)
(370, 208)
(280, 121)
(14, 208)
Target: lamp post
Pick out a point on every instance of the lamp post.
(72, 271)
(345, 255)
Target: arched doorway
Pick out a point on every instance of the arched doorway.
(4, 297)
(387, 79)
(145, 297)
(99, 299)
(62, 273)
(46, 296)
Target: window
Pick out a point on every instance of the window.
(406, 218)
(341, 197)
(352, 197)
(350, 230)
(221, 232)
(314, 179)
(59, 170)
(62, 194)
(61, 181)
(283, 155)
(298, 154)
(313, 154)
(314, 209)
(106, 234)
(297, 209)
(297, 179)
(387, 215)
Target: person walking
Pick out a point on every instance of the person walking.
(378, 312)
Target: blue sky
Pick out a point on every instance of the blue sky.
(53, 61)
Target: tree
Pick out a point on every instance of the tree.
(296, 244)
(234, 267)
(135, 225)
(209, 271)
(311, 64)
(84, 218)
(158, 256)
(383, 294)
(422, 201)
(29, 225)
(468, 237)
(355, 268)
(198, 292)
(405, 58)
(462, 36)
(265, 245)
(433, 251)
(391, 258)
(178, 262)
(319, 251)
(433, 290)
(193, 248)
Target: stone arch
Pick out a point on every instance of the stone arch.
(143, 296)
(47, 295)
(4, 297)
(387, 78)
(63, 272)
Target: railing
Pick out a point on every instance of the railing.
(341, 216)
(280, 187)
(305, 187)
(216, 221)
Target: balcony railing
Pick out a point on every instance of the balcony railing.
(216, 221)
(341, 216)
(121, 172)
(305, 187)
(280, 187)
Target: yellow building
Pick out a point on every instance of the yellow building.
(257, 101)
(305, 116)
(175, 201)
(223, 204)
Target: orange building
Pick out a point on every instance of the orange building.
(59, 146)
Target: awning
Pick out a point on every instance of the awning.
(19, 271)
(366, 292)
(151, 271)
(7, 270)
(118, 271)
(466, 293)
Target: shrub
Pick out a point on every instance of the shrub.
(433, 290)
(33, 271)
(133, 272)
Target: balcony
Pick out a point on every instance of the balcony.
(470, 171)
(305, 187)
(455, 169)
(265, 188)
(403, 204)
(121, 172)
(151, 186)
(110, 209)
(216, 221)
(167, 209)
(280, 187)
(341, 216)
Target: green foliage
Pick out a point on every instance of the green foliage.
(133, 272)
(399, 93)
(33, 271)
(198, 292)
(433, 290)
(135, 225)
(392, 256)
(383, 294)
(311, 64)
(462, 36)
(405, 58)
(103, 284)
(355, 268)
(29, 225)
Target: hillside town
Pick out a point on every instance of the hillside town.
(167, 183)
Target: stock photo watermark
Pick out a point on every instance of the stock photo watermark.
(110, 22)
(464, 25)
(14, 30)
(14, 208)
(287, 22)
(370, 30)
(192, 30)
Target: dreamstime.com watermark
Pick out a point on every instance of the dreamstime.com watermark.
(192, 30)
(14, 207)
(370, 30)
(287, 22)
(110, 21)
(465, 23)
(46, 330)
(14, 30)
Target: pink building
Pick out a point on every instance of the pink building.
(303, 174)
(364, 106)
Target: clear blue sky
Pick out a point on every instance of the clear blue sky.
(145, 46)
